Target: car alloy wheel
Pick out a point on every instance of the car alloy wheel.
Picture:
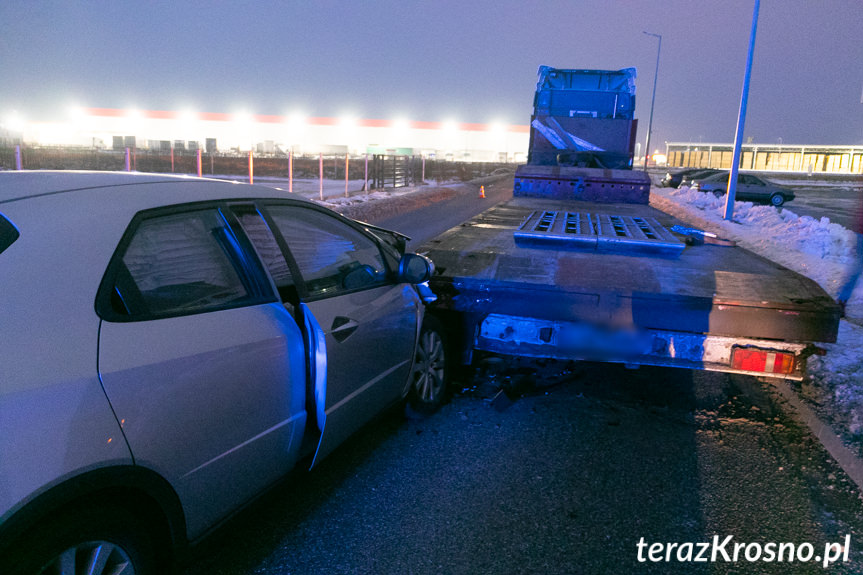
(92, 558)
(777, 200)
(428, 389)
(88, 539)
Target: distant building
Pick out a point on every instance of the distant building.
(767, 157)
(280, 134)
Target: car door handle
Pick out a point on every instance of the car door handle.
(343, 327)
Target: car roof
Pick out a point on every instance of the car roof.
(99, 187)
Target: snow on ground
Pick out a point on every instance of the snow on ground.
(819, 249)
(335, 202)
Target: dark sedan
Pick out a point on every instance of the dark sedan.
(683, 177)
(749, 188)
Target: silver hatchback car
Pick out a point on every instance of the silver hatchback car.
(172, 346)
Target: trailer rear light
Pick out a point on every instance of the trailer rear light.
(762, 360)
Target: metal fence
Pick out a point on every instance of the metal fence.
(380, 171)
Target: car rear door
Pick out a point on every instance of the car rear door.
(367, 320)
(204, 367)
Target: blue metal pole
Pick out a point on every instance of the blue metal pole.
(741, 120)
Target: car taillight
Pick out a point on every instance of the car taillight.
(762, 360)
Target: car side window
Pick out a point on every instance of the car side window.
(332, 257)
(178, 264)
(261, 236)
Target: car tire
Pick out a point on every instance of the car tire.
(777, 200)
(87, 540)
(430, 373)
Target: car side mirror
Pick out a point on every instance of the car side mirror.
(415, 269)
(359, 277)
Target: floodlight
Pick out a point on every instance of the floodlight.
(187, 116)
(400, 124)
(77, 113)
(134, 118)
(14, 122)
(450, 126)
(497, 127)
(297, 121)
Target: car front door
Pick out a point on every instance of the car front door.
(749, 188)
(368, 321)
(204, 367)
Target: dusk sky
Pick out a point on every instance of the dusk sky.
(474, 61)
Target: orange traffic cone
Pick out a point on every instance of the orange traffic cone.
(482, 191)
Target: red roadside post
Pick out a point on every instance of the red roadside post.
(251, 168)
(346, 174)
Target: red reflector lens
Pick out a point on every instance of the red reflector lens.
(749, 359)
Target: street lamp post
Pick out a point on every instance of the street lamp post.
(652, 100)
(741, 120)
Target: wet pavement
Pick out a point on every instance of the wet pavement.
(564, 475)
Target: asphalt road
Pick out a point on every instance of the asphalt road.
(843, 204)
(565, 478)
(431, 221)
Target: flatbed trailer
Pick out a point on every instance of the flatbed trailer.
(576, 279)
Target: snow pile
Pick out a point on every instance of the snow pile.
(335, 202)
(355, 199)
(839, 379)
(819, 249)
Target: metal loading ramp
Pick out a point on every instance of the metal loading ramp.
(597, 232)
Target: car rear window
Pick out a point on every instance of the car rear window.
(177, 264)
(8, 233)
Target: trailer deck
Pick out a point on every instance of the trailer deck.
(504, 263)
